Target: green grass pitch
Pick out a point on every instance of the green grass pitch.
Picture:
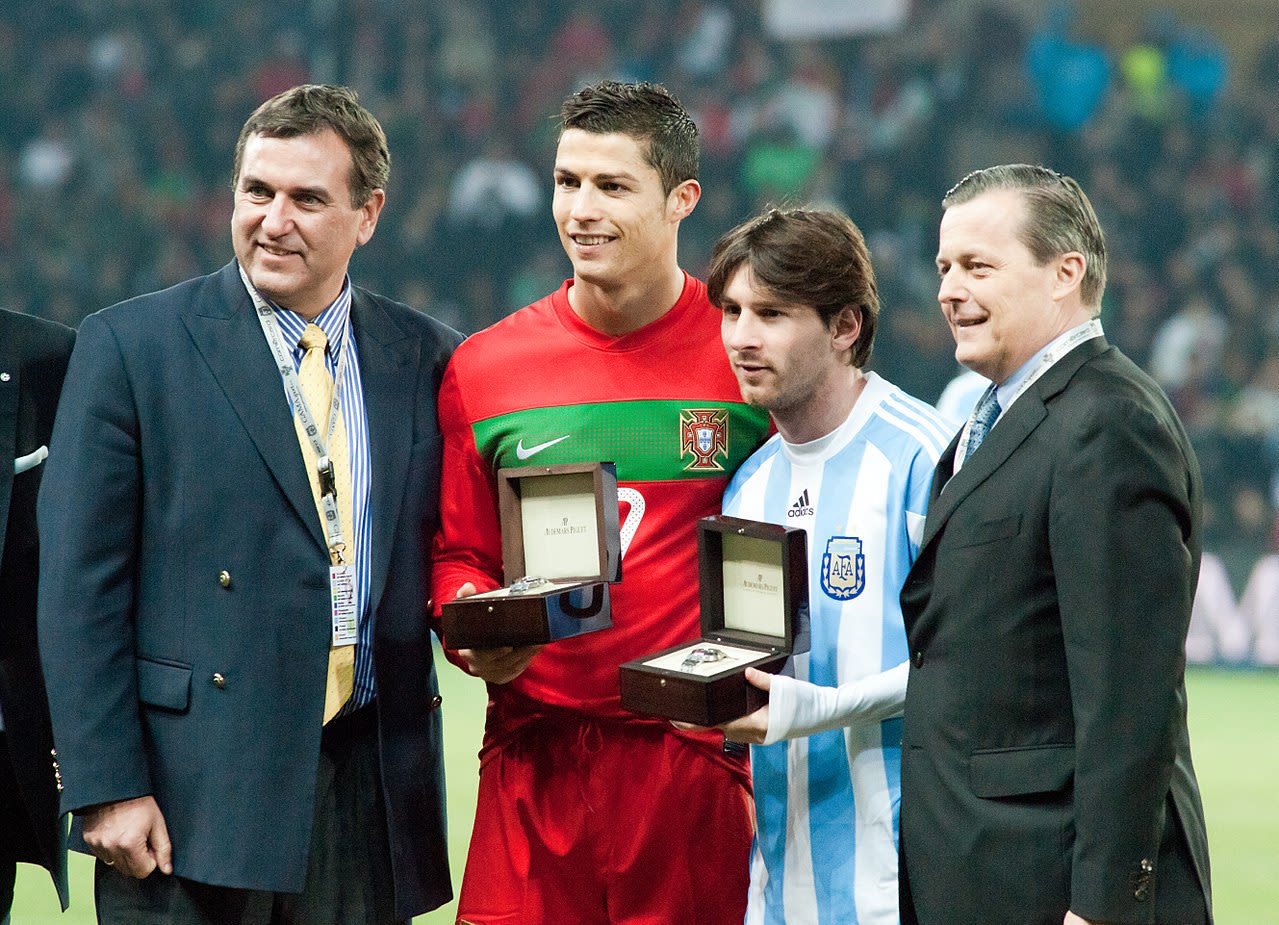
(1234, 733)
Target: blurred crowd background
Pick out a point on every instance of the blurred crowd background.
(118, 120)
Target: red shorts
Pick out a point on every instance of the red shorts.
(593, 821)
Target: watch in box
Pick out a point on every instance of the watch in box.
(561, 548)
(753, 586)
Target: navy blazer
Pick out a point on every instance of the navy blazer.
(182, 543)
(1046, 761)
(33, 361)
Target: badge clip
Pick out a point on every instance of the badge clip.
(328, 481)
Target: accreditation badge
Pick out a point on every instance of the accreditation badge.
(342, 598)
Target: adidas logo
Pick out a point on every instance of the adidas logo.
(801, 507)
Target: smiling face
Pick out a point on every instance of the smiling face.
(1002, 307)
(616, 223)
(294, 227)
(787, 359)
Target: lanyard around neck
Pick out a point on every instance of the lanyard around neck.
(323, 464)
(1076, 337)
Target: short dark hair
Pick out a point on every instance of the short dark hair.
(1059, 218)
(646, 112)
(312, 108)
(814, 257)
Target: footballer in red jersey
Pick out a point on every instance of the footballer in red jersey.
(587, 813)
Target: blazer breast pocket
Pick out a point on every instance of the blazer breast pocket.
(989, 531)
(164, 684)
(1012, 772)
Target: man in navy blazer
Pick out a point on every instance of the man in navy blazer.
(187, 596)
(1046, 772)
(33, 362)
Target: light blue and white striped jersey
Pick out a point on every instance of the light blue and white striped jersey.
(827, 806)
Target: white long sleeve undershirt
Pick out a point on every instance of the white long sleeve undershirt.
(801, 708)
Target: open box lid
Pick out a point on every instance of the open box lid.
(560, 522)
(753, 582)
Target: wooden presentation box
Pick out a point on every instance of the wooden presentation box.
(561, 547)
(754, 600)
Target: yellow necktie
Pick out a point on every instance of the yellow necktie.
(317, 389)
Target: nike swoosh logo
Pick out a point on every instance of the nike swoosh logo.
(524, 452)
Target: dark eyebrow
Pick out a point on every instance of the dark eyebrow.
(622, 176)
(319, 192)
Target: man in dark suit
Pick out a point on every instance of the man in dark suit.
(33, 362)
(1046, 773)
(233, 615)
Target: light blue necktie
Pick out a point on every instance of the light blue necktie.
(984, 416)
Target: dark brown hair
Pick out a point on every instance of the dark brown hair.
(813, 257)
(311, 108)
(646, 112)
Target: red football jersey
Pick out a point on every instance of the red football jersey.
(542, 386)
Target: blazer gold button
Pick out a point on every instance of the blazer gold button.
(436, 701)
(224, 578)
(918, 660)
(1146, 866)
(219, 680)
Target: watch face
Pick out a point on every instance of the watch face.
(528, 583)
(704, 654)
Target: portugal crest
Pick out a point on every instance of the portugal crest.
(843, 568)
(703, 434)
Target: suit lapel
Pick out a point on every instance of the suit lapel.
(386, 375)
(1010, 432)
(945, 469)
(227, 335)
(9, 383)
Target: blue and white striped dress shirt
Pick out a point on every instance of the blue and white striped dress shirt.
(335, 322)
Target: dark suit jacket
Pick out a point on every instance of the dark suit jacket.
(1046, 763)
(33, 361)
(175, 460)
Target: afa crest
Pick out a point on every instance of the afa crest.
(703, 434)
(843, 568)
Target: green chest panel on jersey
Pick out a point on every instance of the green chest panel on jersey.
(648, 440)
